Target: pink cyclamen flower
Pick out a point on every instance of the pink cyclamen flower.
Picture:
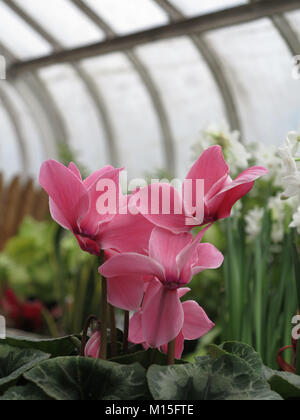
(73, 205)
(219, 195)
(92, 348)
(195, 325)
(172, 262)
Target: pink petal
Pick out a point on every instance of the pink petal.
(70, 200)
(164, 246)
(210, 167)
(88, 182)
(94, 217)
(221, 205)
(196, 322)
(126, 233)
(93, 346)
(205, 257)
(183, 291)
(162, 317)
(179, 346)
(88, 245)
(131, 264)
(162, 205)
(125, 292)
(136, 335)
(75, 170)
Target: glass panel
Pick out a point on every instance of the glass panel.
(33, 143)
(268, 98)
(130, 15)
(84, 126)
(136, 124)
(63, 20)
(10, 160)
(187, 89)
(199, 7)
(19, 37)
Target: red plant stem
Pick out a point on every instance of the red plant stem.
(113, 331)
(126, 332)
(171, 352)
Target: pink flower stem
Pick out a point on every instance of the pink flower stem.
(171, 353)
(126, 332)
(86, 327)
(113, 331)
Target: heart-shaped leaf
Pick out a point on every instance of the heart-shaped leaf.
(14, 362)
(146, 358)
(285, 384)
(64, 346)
(227, 378)
(28, 392)
(242, 351)
(79, 378)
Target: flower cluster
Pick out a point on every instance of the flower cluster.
(151, 255)
(291, 175)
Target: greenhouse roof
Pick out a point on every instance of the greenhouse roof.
(132, 82)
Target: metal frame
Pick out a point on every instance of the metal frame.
(148, 82)
(179, 25)
(214, 64)
(199, 24)
(91, 87)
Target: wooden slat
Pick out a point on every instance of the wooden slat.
(18, 201)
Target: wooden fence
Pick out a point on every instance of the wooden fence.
(17, 200)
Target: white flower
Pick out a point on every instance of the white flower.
(296, 220)
(234, 151)
(253, 221)
(290, 173)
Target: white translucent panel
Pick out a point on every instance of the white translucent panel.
(19, 37)
(33, 143)
(294, 20)
(198, 7)
(10, 159)
(127, 16)
(136, 124)
(188, 92)
(83, 123)
(63, 20)
(258, 65)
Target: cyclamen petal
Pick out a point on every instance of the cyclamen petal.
(92, 348)
(196, 322)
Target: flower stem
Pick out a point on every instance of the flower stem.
(103, 349)
(171, 352)
(113, 331)
(126, 332)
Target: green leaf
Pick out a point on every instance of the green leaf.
(244, 352)
(227, 378)
(14, 362)
(29, 392)
(79, 378)
(145, 358)
(285, 384)
(64, 346)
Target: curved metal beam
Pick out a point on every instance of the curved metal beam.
(146, 78)
(14, 117)
(49, 125)
(40, 91)
(214, 64)
(91, 87)
(286, 31)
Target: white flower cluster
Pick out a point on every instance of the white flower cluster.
(234, 151)
(284, 175)
(291, 174)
